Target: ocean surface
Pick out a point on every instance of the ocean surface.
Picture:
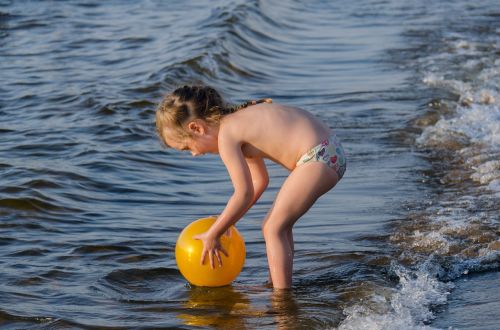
(91, 204)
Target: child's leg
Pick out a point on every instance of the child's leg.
(290, 241)
(300, 190)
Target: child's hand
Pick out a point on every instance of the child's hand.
(212, 247)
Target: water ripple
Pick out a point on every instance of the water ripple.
(82, 171)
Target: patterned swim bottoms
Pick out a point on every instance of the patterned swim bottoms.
(330, 152)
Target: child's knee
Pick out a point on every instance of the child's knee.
(272, 229)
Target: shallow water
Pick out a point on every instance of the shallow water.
(91, 205)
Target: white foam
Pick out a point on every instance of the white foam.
(456, 229)
(478, 124)
(487, 172)
(462, 44)
(452, 85)
(476, 121)
(433, 240)
(409, 307)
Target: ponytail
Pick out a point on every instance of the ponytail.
(243, 105)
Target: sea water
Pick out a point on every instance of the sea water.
(91, 204)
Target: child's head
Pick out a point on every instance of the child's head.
(188, 103)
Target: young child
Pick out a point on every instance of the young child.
(196, 119)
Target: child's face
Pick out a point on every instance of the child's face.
(197, 144)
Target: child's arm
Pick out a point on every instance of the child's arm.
(260, 178)
(244, 175)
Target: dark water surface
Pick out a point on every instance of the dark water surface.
(91, 205)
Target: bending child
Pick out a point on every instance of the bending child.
(196, 119)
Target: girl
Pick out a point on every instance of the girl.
(196, 119)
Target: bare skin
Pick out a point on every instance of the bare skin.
(243, 140)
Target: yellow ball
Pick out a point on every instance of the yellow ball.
(188, 255)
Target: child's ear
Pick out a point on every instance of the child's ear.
(196, 127)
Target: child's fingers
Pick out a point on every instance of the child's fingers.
(211, 257)
(203, 255)
(217, 254)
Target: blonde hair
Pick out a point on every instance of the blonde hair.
(192, 102)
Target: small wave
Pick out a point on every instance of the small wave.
(488, 173)
(28, 204)
(30, 281)
(46, 147)
(25, 24)
(99, 249)
(6, 318)
(149, 88)
(106, 110)
(409, 307)
(33, 184)
(471, 127)
(35, 252)
(440, 243)
(134, 40)
(4, 16)
(142, 285)
(239, 41)
(6, 130)
(451, 227)
(141, 104)
(136, 275)
(7, 240)
(58, 274)
(136, 258)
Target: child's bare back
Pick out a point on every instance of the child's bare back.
(277, 132)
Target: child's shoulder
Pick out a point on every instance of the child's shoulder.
(247, 119)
